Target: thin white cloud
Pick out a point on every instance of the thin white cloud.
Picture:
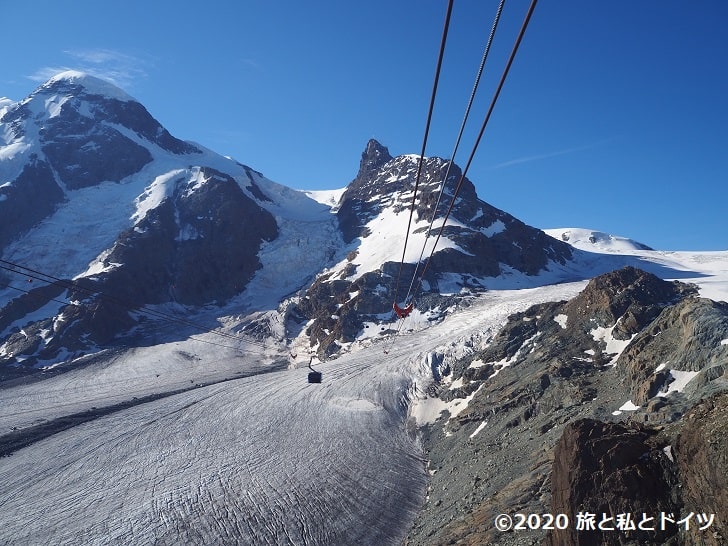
(251, 63)
(116, 67)
(538, 157)
(47, 72)
(100, 56)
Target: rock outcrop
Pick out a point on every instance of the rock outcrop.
(686, 338)
(608, 469)
(701, 454)
(31, 198)
(611, 403)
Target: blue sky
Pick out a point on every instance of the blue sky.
(614, 116)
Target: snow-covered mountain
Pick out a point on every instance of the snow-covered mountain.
(158, 304)
(478, 245)
(596, 241)
(106, 214)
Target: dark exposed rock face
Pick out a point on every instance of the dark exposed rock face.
(607, 468)
(685, 337)
(541, 433)
(338, 317)
(80, 150)
(32, 196)
(682, 470)
(355, 207)
(108, 111)
(701, 452)
(83, 142)
(183, 251)
(373, 158)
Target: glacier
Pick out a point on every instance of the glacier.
(199, 443)
(258, 459)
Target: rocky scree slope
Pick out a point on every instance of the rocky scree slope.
(545, 428)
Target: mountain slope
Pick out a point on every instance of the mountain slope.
(571, 404)
(99, 200)
(479, 243)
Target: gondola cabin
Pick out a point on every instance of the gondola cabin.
(313, 375)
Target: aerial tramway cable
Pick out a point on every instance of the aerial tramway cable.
(483, 60)
(480, 134)
(62, 302)
(443, 40)
(467, 166)
(73, 285)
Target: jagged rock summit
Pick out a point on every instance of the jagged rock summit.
(373, 158)
(487, 240)
(478, 243)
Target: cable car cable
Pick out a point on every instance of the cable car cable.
(480, 134)
(141, 308)
(443, 40)
(472, 154)
(483, 60)
(192, 337)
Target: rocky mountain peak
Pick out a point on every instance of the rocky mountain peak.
(629, 293)
(478, 242)
(374, 157)
(75, 131)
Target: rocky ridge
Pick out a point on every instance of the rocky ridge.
(478, 242)
(585, 405)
